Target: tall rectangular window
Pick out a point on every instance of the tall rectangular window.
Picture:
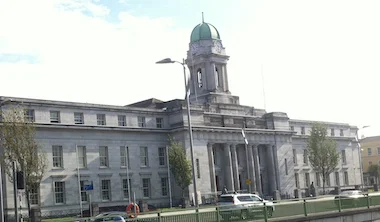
(29, 115)
(34, 195)
(318, 179)
(295, 156)
(126, 188)
(82, 156)
(59, 192)
(286, 166)
(344, 160)
(337, 179)
(307, 179)
(106, 189)
(159, 122)
(341, 132)
(369, 150)
(103, 156)
(297, 179)
(57, 156)
(302, 130)
(144, 157)
(162, 156)
(141, 121)
(305, 157)
(83, 192)
(146, 187)
(198, 168)
(346, 181)
(164, 186)
(332, 132)
(55, 117)
(121, 120)
(78, 118)
(101, 119)
(378, 150)
(328, 182)
(124, 156)
(291, 128)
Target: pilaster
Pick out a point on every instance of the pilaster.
(257, 168)
(251, 166)
(228, 167)
(235, 167)
(212, 167)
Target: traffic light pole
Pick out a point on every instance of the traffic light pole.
(15, 190)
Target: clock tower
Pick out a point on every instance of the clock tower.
(207, 62)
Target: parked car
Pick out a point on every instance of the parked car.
(350, 198)
(109, 216)
(243, 206)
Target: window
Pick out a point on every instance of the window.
(296, 177)
(126, 188)
(82, 157)
(344, 160)
(59, 192)
(341, 132)
(141, 121)
(286, 166)
(146, 187)
(103, 156)
(29, 115)
(34, 195)
(159, 122)
(303, 130)
(318, 179)
(215, 156)
(291, 128)
(200, 81)
(121, 120)
(337, 179)
(164, 186)
(83, 192)
(332, 132)
(144, 156)
(370, 163)
(346, 178)
(78, 118)
(57, 156)
(162, 156)
(101, 119)
(328, 182)
(198, 168)
(124, 156)
(295, 156)
(305, 158)
(378, 150)
(106, 189)
(55, 117)
(369, 150)
(307, 180)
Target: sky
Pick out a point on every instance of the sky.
(313, 59)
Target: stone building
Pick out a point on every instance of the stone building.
(117, 143)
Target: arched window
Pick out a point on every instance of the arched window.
(200, 82)
(217, 76)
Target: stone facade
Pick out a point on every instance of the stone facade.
(273, 159)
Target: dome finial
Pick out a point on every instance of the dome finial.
(203, 19)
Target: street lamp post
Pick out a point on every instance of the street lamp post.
(166, 61)
(360, 156)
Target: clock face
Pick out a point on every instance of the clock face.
(218, 46)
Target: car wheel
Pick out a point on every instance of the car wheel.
(244, 214)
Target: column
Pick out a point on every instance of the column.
(228, 168)
(271, 168)
(257, 167)
(212, 167)
(235, 167)
(251, 166)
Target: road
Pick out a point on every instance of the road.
(211, 209)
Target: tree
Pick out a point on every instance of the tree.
(322, 152)
(19, 145)
(180, 166)
(374, 170)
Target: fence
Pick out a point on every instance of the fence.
(288, 208)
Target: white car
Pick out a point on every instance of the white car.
(243, 206)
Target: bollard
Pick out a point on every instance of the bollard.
(368, 201)
(217, 214)
(304, 207)
(265, 213)
(197, 214)
(339, 205)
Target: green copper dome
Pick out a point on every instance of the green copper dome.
(204, 31)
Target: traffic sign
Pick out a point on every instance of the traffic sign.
(88, 187)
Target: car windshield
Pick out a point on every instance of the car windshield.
(226, 199)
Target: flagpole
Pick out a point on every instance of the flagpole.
(127, 163)
(169, 181)
(79, 188)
